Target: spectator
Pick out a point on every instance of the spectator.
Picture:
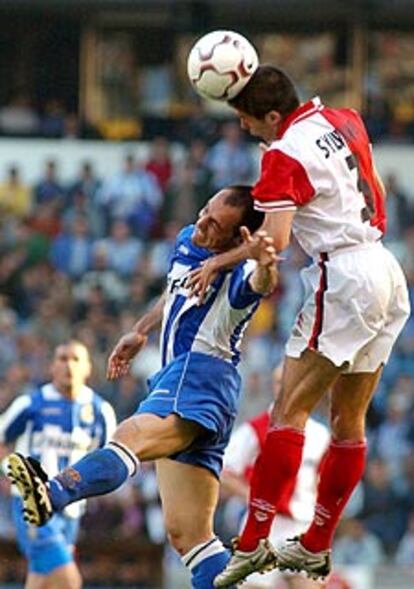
(82, 200)
(189, 187)
(87, 183)
(52, 122)
(15, 198)
(18, 118)
(122, 251)
(132, 195)
(49, 190)
(229, 159)
(71, 251)
(101, 275)
(159, 162)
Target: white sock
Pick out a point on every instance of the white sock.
(202, 551)
(124, 453)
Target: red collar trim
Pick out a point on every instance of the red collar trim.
(303, 111)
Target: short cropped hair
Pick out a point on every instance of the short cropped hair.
(241, 196)
(270, 88)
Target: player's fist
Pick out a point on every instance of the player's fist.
(125, 350)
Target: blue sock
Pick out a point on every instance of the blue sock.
(97, 473)
(205, 562)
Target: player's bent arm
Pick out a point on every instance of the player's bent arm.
(152, 318)
(132, 342)
(277, 225)
(229, 259)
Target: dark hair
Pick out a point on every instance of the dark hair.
(268, 89)
(241, 196)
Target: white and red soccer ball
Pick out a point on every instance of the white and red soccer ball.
(220, 64)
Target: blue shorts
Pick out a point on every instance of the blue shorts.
(203, 389)
(48, 547)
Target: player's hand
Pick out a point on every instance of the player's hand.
(200, 279)
(125, 350)
(261, 247)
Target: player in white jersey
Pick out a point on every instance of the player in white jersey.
(185, 422)
(57, 424)
(296, 511)
(318, 180)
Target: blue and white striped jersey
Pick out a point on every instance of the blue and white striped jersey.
(55, 430)
(216, 326)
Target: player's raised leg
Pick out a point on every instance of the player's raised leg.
(139, 438)
(189, 497)
(342, 469)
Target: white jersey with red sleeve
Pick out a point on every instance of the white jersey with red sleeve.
(247, 441)
(321, 166)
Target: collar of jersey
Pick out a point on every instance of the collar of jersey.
(302, 112)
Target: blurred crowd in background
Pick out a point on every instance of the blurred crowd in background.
(86, 258)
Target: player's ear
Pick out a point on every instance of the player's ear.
(273, 117)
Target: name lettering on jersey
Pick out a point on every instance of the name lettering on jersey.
(178, 284)
(177, 281)
(330, 143)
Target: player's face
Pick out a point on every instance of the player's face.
(218, 224)
(263, 128)
(70, 367)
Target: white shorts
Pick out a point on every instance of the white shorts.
(356, 304)
(282, 529)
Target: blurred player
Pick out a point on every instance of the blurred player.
(318, 180)
(56, 425)
(193, 400)
(296, 511)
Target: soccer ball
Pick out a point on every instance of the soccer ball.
(220, 64)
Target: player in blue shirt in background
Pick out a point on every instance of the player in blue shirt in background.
(57, 425)
(185, 422)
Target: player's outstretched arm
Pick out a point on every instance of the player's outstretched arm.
(131, 343)
(265, 276)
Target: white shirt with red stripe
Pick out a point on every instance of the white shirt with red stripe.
(321, 166)
(245, 445)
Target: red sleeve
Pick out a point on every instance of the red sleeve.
(283, 183)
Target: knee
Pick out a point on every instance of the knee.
(177, 537)
(184, 535)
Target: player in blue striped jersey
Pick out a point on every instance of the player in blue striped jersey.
(185, 422)
(57, 424)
